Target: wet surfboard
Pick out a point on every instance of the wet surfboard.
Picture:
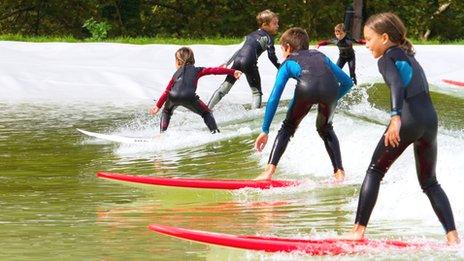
(116, 138)
(275, 244)
(455, 83)
(224, 184)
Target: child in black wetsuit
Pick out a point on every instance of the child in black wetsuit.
(181, 90)
(345, 46)
(246, 58)
(413, 121)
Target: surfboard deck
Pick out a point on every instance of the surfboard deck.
(453, 82)
(224, 184)
(116, 138)
(330, 246)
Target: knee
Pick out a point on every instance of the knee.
(429, 185)
(256, 91)
(286, 131)
(325, 130)
(375, 172)
(166, 113)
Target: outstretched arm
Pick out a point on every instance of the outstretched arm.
(162, 99)
(272, 56)
(215, 70)
(289, 69)
(360, 41)
(324, 42)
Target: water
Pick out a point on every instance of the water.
(53, 207)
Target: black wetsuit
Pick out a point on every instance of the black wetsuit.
(346, 55)
(320, 82)
(411, 100)
(245, 60)
(181, 90)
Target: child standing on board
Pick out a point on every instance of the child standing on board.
(181, 90)
(246, 58)
(319, 81)
(413, 121)
(345, 46)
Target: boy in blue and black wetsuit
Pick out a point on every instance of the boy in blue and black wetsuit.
(319, 81)
(413, 121)
(345, 46)
(246, 58)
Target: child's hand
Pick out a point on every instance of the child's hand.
(224, 65)
(317, 46)
(154, 110)
(261, 142)
(237, 74)
(392, 136)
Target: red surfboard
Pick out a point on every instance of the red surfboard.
(226, 184)
(274, 244)
(457, 83)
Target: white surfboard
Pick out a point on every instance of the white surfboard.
(116, 138)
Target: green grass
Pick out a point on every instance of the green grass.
(166, 40)
(123, 40)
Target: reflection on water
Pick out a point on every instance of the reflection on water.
(54, 207)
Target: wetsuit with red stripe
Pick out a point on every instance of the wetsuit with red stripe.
(181, 91)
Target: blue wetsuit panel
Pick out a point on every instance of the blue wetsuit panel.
(289, 69)
(405, 71)
(345, 81)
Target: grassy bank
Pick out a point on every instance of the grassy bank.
(166, 40)
(124, 40)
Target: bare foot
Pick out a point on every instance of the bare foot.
(453, 238)
(357, 233)
(339, 175)
(267, 174)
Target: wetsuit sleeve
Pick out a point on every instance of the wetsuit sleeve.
(272, 56)
(342, 78)
(289, 69)
(327, 42)
(360, 41)
(162, 99)
(215, 70)
(393, 79)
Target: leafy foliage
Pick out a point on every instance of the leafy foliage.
(212, 18)
(99, 30)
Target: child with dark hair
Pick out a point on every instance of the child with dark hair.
(246, 58)
(181, 90)
(413, 121)
(319, 81)
(345, 46)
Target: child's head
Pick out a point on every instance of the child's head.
(268, 21)
(294, 39)
(339, 31)
(383, 31)
(184, 56)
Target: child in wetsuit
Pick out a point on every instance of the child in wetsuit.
(246, 58)
(345, 46)
(319, 81)
(413, 121)
(181, 90)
